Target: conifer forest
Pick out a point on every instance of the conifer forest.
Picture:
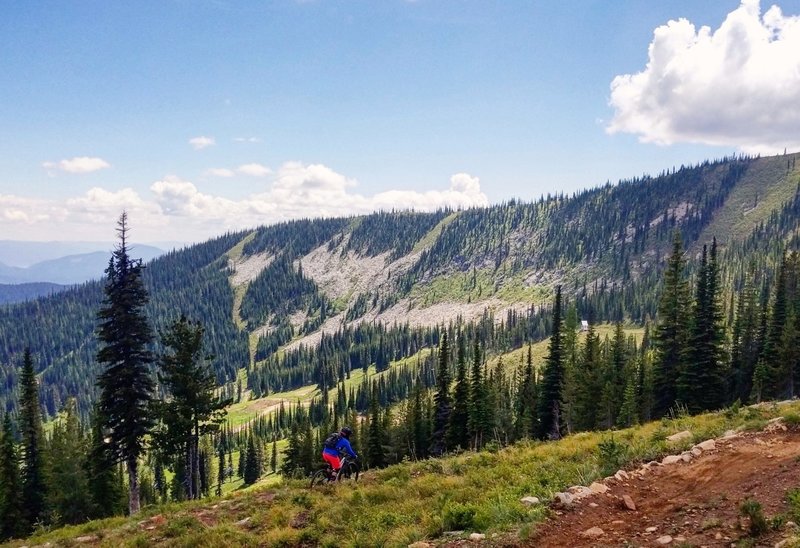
(427, 333)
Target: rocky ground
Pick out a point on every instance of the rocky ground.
(695, 503)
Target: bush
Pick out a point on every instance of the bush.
(613, 455)
(458, 517)
(752, 510)
(792, 419)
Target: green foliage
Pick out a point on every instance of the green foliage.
(612, 454)
(752, 510)
(459, 517)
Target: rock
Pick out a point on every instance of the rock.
(244, 521)
(594, 532)
(593, 504)
(664, 540)
(696, 452)
(563, 498)
(791, 525)
(477, 536)
(729, 435)
(680, 436)
(718, 536)
(671, 459)
(783, 543)
(529, 501)
(686, 456)
(628, 502)
(708, 445)
(86, 538)
(598, 488)
(621, 475)
(579, 492)
(419, 544)
(618, 522)
(679, 539)
(652, 529)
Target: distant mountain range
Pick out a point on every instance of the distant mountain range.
(16, 293)
(63, 270)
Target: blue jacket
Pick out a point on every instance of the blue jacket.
(342, 446)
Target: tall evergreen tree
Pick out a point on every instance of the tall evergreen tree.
(377, 435)
(103, 476)
(526, 423)
(251, 468)
(458, 429)
(11, 510)
(68, 496)
(193, 409)
(34, 487)
(552, 379)
(125, 385)
(479, 426)
(672, 331)
(702, 381)
(442, 407)
(745, 342)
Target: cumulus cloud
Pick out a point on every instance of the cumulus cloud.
(199, 143)
(254, 170)
(178, 208)
(79, 164)
(738, 85)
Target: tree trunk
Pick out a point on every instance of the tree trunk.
(196, 460)
(188, 469)
(133, 486)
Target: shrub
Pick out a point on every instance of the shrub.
(612, 455)
(752, 510)
(458, 517)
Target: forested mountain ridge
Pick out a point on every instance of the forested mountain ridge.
(280, 287)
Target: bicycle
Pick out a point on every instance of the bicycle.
(349, 471)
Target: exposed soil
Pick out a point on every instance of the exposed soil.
(696, 503)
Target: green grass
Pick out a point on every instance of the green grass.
(430, 238)
(406, 502)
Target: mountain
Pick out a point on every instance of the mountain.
(23, 254)
(14, 293)
(70, 269)
(298, 303)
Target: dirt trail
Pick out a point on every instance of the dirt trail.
(696, 503)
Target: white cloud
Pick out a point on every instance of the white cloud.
(254, 170)
(738, 85)
(220, 172)
(247, 140)
(178, 208)
(79, 164)
(199, 143)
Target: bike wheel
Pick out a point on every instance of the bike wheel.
(320, 476)
(348, 472)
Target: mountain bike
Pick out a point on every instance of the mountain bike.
(349, 471)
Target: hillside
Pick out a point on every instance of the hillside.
(269, 297)
(447, 501)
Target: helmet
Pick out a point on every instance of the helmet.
(346, 431)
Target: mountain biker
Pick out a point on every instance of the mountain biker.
(336, 446)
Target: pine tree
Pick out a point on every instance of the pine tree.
(220, 469)
(34, 488)
(193, 410)
(68, 496)
(526, 423)
(11, 510)
(479, 426)
(588, 380)
(552, 379)
(251, 471)
(125, 385)
(441, 417)
(377, 435)
(104, 488)
(273, 460)
(458, 429)
(745, 342)
(701, 383)
(671, 336)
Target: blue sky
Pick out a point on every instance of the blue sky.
(202, 116)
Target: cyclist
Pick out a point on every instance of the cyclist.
(337, 445)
